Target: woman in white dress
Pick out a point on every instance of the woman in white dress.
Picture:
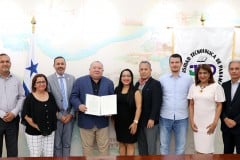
(205, 107)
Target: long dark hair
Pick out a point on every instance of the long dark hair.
(207, 68)
(131, 90)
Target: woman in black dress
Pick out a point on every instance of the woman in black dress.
(128, 113)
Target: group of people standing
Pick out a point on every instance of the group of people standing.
(47, 113)
(201, 103)
(145, 110)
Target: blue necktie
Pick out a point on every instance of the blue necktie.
(63, 92)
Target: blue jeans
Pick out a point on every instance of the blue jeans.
(179, 128)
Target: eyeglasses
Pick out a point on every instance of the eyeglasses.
(41, 82)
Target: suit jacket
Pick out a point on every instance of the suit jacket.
(83, 86)
(54, 88)
(151, 102)
(231, 108)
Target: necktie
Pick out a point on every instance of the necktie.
(63, 92)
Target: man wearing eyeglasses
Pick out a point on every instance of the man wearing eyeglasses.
(11, 100)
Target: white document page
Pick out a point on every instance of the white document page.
(109, 105)
(101, 105)
(93, 104)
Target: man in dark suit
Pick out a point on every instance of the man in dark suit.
(92, 128)
(151, 103)
(63, 133)
(230, 116)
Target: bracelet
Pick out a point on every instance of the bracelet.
(135, 121)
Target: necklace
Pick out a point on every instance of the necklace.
(201, 88)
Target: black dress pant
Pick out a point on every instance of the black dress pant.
(10, 131)
(230, 141)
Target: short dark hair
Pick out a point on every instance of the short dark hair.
(4, 54)
(34, 80)
(176, 55)
(58, 57)
(207, 68)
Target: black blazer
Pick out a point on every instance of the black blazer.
(151, 101)
(231, 108)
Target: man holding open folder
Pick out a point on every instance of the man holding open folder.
(92, 128)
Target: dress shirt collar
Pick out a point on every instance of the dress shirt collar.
(235, 82)
(59, 76)
(10, 75)
(178, 75)
(143, 81)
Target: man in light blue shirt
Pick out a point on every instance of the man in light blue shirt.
(174, 111)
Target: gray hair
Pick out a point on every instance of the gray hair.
(96, 62)
(146, 62)
(233, 61)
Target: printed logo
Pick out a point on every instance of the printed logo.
(204, 56)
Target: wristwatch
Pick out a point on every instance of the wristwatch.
(135, 121)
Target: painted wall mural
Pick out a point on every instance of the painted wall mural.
(120, 33)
